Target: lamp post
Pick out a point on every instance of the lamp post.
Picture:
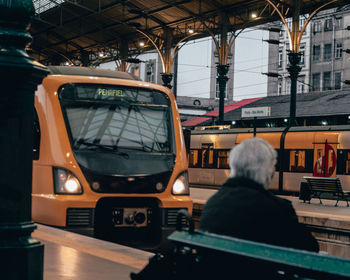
(222, 79)
(294, 70)
(295, 35)
(21, 256)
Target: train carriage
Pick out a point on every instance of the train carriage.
(302, 151)
(108, 154)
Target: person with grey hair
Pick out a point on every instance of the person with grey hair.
(244, 208)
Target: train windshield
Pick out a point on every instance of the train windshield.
(116, 118)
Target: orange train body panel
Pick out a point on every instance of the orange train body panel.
(302, 151)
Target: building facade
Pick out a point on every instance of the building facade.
(325, 62)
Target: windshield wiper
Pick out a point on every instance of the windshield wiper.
(109, 148)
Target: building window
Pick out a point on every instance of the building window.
(279, 87)
(280, 58)
(316, 82)
(338, 23)
(338, 52)
(281, 33)
(327, 52)
(302, 52)
(218, 90)
(328, 24)
(317, 26)
(150, 72)
(300, 84)
(337, 80)
(326, 80)
(316, 53)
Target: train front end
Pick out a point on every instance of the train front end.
(112, 158)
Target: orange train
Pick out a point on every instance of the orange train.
(302, 151)
(108, 154)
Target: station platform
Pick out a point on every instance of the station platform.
(69, 256)
(329, 224)
(73, 256)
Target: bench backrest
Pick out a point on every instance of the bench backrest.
(281, 259)
(324, 184)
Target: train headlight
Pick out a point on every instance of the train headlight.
(65, 182)
(180, 186)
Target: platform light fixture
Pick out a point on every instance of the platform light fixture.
(191, 31)
(141, 44)
(324, 123)
(233, 122)
(254, 15)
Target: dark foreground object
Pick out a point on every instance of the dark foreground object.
(198, 255)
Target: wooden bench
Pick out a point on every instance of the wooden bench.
(321, 185)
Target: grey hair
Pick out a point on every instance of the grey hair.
(254, 159)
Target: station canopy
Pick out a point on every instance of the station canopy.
(90, 31)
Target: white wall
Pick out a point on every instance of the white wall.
(251, 59)
(194, 64)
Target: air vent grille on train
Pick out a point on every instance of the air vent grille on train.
(171, 216)
(80, 217)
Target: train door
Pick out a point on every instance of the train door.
(325, 159)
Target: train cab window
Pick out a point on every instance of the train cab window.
(207, 156)
(223, 159)
(194, 158)
(297, 161)
(36, 136)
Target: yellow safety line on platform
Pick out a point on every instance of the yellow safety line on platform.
(92, 250)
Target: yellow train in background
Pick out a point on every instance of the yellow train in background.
(108, 154)
(302, 151)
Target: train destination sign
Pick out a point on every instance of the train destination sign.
(256, 112)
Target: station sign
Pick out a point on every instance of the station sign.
(256, 112)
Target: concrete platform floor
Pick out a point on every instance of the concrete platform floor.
(70, 256)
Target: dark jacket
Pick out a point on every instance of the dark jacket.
(244, 209)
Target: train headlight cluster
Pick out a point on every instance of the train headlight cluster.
(180, 186)
(65, 182)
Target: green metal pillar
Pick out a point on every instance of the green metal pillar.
(167, 79)
(222, 79)
(294, 70)
(21, 257)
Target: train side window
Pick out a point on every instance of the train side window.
(278, 162)
(343, 162)
(297, 160)
(36, 137)
(309, 160)
(194, 159)
(207, 157)
(223, 159)
(347, 163)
